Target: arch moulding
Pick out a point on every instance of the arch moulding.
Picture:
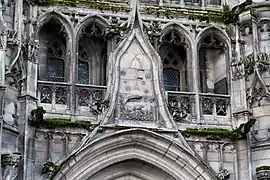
(164, 153)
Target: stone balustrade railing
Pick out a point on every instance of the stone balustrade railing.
(183, 3)
(54, 96)
(83, 100)
(181, 105)
(89, 98)
(215, 108)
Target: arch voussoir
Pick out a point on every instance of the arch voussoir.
(159, 152)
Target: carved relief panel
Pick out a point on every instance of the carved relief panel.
(136, 94)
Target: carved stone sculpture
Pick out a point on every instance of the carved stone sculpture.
(10, 102)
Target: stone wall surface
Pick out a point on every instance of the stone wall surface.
(180, 88)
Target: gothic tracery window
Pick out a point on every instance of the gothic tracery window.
(213, 65)
(55, 63)
(52, 52)
(174, 60)
(83, 67)
(91, 64)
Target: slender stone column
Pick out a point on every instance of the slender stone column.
(2, 66)
(255, 38)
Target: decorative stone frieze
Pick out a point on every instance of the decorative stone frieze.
(12, 159)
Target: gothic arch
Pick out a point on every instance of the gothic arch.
(174, 78)
(60, 47)
(94, 64)
(218, 32)
(164, 153)
(181, 29)
(214, 47)
(88, 19)
(46, 17)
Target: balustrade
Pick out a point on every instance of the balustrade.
(89, 99)
(54, 95)
(215, 108)
(181, 3)
(181, 105)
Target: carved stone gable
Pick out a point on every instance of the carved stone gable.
(136, 93)
(135, 90)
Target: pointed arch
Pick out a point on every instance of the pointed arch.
(220, 33)
(177, 52)
(166, 154)
(88, 20)
(214, 52)
(92, 68)
(58, 16)
(181, 29)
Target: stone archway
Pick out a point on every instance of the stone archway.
(127, 150)
(133, 170)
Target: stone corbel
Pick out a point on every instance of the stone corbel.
(10, 163)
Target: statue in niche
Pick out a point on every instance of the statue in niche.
(10, 101)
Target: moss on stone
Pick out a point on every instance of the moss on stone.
(260, 168)
(36, 120)
(109, 6)
(61, 123)
(206, 132)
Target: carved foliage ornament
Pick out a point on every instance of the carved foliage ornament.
(116, 29)
(153, 30)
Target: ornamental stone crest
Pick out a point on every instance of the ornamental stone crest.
(136, 86)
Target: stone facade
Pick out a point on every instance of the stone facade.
(134, 89)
